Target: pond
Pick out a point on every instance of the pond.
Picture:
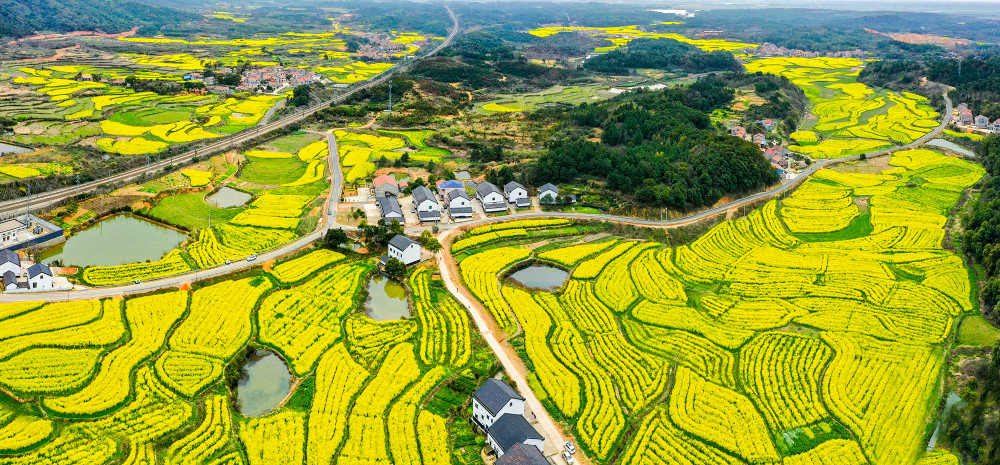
(265, 385)
(386, 299)
(116, 240)
(228, 197)
(952, 401)
(946, 144)
(6, 149)
(543, 277)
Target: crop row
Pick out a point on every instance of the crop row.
(371, 340)
(304, 321)
(480, 275)
(106, 329)
(570, 256)
(367, 434)
(172, 263)
(445, 332)
(275, 439)
(519, 224)
(402, 419)
(210, 437)
(297, 269)
(480, 239)
(338, 380)
(149, 319)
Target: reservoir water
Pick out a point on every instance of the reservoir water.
(542, 277)
(386, 299)
(266, 384)
(228, 197)
(116, 240)
(951, 146)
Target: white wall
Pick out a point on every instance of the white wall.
(484, 416)
(517, 194)
(14, 268)
(40, 281)
(427, 206)
(408, 256)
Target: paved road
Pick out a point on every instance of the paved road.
(329, 221)
(50, 199)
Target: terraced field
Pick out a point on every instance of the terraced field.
(849, 117)
(811, 331)
(359, 151)
(142, 380)
(622, 35)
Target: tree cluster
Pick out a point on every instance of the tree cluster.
(20, 18)
(981, 240)
(661, 146)
(665, 54)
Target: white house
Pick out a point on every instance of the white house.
(490, 197)
(389, 207)
(516, 194)
(446, 186)
(982, 122)
(404, 249)
(996, 126)
(510, 430)
(9, 281)
(10, 261)
(548, 194)
(426, 204)
(39, 277)
(459, 204)
(494, 399)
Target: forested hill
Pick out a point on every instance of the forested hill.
(661, 146)
(20, 18)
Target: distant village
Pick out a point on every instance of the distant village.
(781, 159)
(963, 117)
(768, 50)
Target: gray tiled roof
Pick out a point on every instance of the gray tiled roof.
(549, 187)
(510, 186)
(523, 202)
(421, 193)
(9, 256)
(38, 269)
(494, 395)
(463, 211)
(457, 193)
(401, 242)
(485, 188)
(522, 454)
(512, 429)
(389, 205)
(429, 216)
(9, 278)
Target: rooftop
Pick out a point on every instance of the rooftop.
(10, 225)
(494, 394)
(485, 188)
(512, 429)
(522, 454)
(401, 242)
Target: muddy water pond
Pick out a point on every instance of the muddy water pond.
(386, 299)
(266, 384)
(542, 277)
(117, 240)
(228, 197)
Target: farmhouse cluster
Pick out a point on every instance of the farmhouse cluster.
(498, 410)
(781, 159)
(456, 200)
(963, 116)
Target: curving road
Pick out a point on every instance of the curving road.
(329, 221)
(50, 199)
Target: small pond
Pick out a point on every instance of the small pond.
(228, 197)
(6, 149)
(266, 384)
(114, 241)
(951, 402)
(386, 299)
(543, 277)
(945, 144)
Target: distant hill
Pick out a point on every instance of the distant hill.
(20, 18)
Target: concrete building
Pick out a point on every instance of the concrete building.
(490, 197)
(404, 249)
(426, 204)
(385, 186)
(389, 207)
(444, 187)
(510, 430)
(10, 262)
(39, 277)
(516, 194)
(459, 204)
(10, 228)
(493, 400)
(548, 194)
(982, 122)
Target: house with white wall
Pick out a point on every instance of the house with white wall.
(459, 204)
(490, 197)
(516, 194)
(404, 249)
(39, 277)
(426, 204)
